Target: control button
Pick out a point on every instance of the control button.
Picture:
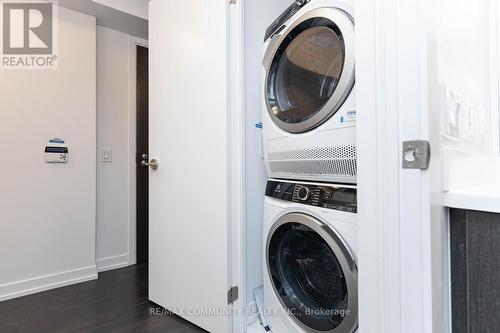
(303, 193)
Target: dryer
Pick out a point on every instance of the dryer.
(310, 265)
(309, 111)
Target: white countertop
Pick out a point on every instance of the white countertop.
(470, 181)
(481, 198)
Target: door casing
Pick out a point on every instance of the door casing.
(403, 272)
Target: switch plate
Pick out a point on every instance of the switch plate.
(452, 114)
(481, 125)
(469, 121)
(106, 155)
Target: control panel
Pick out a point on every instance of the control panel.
(56, 154)
(324, 196)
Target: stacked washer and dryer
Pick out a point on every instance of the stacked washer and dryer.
(309, 124)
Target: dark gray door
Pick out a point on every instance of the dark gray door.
(142, 153)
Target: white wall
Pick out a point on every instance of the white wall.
(114, 119)
(47, 224)
(463, 56)
(463, 50)
(259, 14)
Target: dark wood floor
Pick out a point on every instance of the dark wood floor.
(116, 302)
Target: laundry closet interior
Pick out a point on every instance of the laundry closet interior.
(300, 115)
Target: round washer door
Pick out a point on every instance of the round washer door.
(310, 69)
(313, 274)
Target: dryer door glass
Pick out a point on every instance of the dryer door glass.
(305, 73)
(308, 277)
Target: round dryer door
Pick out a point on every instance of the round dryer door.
(313, 273)
(310, 69)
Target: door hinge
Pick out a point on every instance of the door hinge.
(416, 154)
(233, 2)
(232, 295)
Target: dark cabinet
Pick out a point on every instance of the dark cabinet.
(475, 271)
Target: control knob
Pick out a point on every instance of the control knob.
(303, 193)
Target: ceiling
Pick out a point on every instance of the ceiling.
(109, 17)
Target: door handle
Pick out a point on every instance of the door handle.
(153, 164)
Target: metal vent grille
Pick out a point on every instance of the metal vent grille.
(335, 160)
(334, 152)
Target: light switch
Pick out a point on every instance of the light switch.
(452, 116)
(106, 155)
(469, 120)
(481, 125)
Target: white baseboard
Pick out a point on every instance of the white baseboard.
(109, 263)
(47, 282)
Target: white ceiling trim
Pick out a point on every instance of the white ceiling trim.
(133, 7)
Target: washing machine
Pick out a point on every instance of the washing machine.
(310, 269)
(309, 110)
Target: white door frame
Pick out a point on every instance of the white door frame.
(237, 265)
(395, 262)
(132, 128)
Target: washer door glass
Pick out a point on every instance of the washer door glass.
(305, 72)
(308, 277)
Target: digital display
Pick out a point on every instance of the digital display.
(57, 150)
(344, 196)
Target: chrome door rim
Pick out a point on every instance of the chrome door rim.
(344, 256)
(346, 82)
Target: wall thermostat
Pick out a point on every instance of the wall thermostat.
(56, 154)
